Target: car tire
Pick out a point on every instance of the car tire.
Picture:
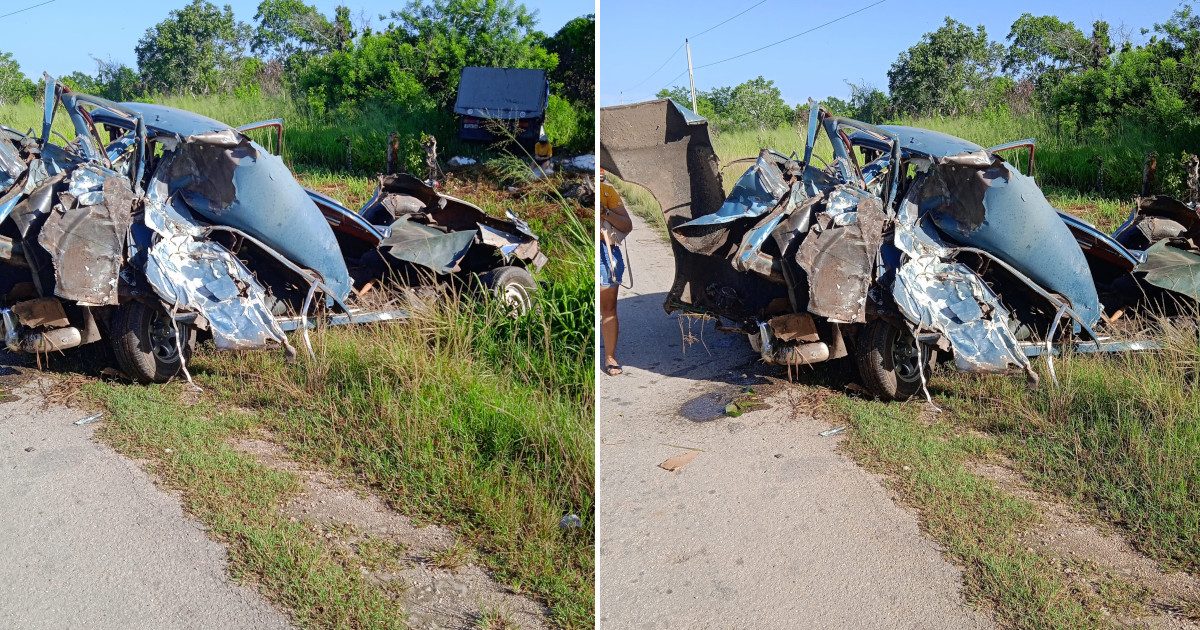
(143, 340)
(889, 369)
(513, 286)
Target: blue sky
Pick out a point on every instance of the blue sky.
(65, 35)
(637, 36)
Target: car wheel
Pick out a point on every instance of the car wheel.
(513, 286)
(889, 363)
(144, 340)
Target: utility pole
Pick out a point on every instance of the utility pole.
(691, 74)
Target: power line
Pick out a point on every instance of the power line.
(656, 71)
(791, 37)
(676, 51)
(726, 20)
(26, 9)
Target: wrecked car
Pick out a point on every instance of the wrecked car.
(153, 226)
(905, 246)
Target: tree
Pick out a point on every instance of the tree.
(82, 82)
(14, 85)
(117, 81)
(436, 39)
(290, 30)
(758, 103)
(195, 50)
(575, 46)
(869, 104)
(1045, 44)
(943, 72)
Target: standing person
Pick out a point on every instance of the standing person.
(542, 152)
(615, 224)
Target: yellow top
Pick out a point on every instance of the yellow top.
(543, 150)
(609, 197)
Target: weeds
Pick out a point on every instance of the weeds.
(1120, 433)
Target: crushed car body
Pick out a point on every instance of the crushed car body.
(177, 225)
(901, 244)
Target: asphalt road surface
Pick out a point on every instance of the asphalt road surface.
(769, 526)
(88, 541)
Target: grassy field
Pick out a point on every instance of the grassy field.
(462, 416)
(1118, 440)
(347, 144)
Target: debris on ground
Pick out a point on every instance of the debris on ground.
(679, 461)
(579, 164)
(89, 419)
(745, 401)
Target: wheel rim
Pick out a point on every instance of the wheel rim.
(164, 338)
(906, 358)
(516, 298)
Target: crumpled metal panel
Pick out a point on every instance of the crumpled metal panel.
(666, 148)
(197, 275)
(241, 185)
(840, 258)
(429, 247)
(87, 241)
(11, 164)
(1173, 269)
(936, 294)
(979, 200)
(755, 193)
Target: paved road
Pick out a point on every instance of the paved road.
(88, 541)
(769, 526)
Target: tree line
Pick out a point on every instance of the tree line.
(1083, 81)
(334, 65)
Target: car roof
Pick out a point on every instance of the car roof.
(162, 119)
(917, 140)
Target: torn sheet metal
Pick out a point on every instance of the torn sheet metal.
(440, 230)
(11, 164)
(936, 294)
(85, 236)
(757, 191)
(666, 148)
(840, 257)
(241, 185)
(1173, 269)
(980, 200)
(195, 275)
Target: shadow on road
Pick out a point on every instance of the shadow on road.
(683, 346)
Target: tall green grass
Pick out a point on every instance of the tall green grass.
(1119, 433)
(349, 143)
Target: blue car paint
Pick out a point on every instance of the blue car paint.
(1020, 226)
(267, 202)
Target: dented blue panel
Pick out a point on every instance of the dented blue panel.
(999, 210)
(263, 200)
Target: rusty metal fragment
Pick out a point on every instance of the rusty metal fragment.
(840, 257)
(85, 236)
